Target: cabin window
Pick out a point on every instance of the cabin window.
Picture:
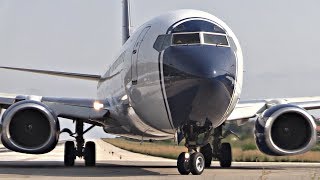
(215, 39)
(186, 38)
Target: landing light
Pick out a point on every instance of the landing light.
(125, 97)
(97, 105)
(186, 155)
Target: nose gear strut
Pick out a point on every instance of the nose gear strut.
(193, 161)
(204, 144)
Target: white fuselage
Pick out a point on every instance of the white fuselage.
(137, 85)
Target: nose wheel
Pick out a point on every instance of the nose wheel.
(183, 163)
(82, 150)
(197, 163)
(194, 163)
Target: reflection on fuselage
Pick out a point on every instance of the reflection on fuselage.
(168, 85)
(199, 82)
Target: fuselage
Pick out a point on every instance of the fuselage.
(182, 66)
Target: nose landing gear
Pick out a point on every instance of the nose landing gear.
(82, 150)
(200, 154)
(193, 161)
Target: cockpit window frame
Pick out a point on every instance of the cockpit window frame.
(172, 43)
(163, 43)
(201, 37)
(219, 34)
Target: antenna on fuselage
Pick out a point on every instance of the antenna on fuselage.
(125, 20)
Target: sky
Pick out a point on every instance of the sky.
(279, 39)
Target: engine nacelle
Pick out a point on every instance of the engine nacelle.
(285, 130)
(0, 118)
(30, 127)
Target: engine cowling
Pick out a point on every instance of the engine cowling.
(0, 118)
(30, 127)
(285, 130)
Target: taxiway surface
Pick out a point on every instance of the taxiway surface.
(115, 163)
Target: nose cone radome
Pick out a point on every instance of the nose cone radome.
(199, 82)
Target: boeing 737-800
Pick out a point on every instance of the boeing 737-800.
(178, 76)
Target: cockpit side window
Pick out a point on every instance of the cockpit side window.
(162, 42)
(158, 44)
(188, 38)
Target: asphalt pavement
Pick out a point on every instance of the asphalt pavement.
(115, 163)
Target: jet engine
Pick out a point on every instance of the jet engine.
(0, 118)
(285, 130)
(30, 127)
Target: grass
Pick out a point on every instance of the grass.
(256, 155)
(159, 149)
(246, 153)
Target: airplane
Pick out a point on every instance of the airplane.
(178, 76)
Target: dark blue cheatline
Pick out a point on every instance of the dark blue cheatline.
(199, 82)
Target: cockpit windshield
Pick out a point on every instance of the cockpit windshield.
(215, 39)
(200, 38)
(188, 38)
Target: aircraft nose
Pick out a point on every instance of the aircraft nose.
(199, 82)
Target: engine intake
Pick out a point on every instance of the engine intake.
(30, 127)
(285, 130)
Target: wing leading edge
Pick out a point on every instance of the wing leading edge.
(91, 110)
(90, 77)
(250, 109)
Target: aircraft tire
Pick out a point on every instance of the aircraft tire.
(90, 154)
(69, 153)
(197, 163)
(183, 164)
(225, 155)
(207, 153)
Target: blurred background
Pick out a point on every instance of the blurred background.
(280, 43)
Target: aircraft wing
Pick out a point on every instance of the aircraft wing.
(70, 108)
(250, 109)
(90, 110)
(90, 77)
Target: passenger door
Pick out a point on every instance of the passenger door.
(135, 54)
